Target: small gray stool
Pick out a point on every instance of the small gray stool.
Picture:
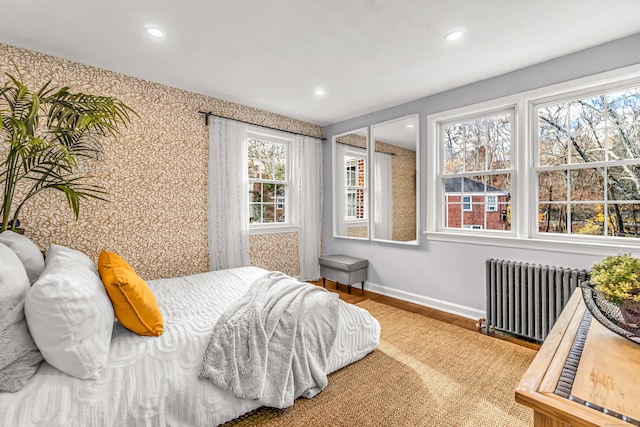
(343, 269)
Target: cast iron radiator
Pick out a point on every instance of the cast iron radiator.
(526, 299)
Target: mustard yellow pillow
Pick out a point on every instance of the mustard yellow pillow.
(134, 305)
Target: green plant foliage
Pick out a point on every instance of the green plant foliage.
(44, 134)
(616, 277)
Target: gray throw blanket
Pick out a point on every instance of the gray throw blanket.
(273, 344)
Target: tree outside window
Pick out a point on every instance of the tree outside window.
(476, 173)
(588, 168)
(267, 181)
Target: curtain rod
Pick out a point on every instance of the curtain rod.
(353, 145)
(206, 115)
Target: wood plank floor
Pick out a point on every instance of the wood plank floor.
(357, 296)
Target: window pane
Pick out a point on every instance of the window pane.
(499, 184)
(267, 159)
(552, 218)
(255, 212)
(624, 142)
(624, 107)
(355, 171)
(255, 168)
(452, 215)
(269, 192)
(587, 219)
(475, 157)
(587, 114)
(280, 213)
(499, 142)
(553, 151)
(552, 121)
(624, 182)
(478, 145)
(624, 220)
(453, 150)
(587, 184)
(553, 134)
(552, 186)
(587, 146)
(503, 215)
(256, 192)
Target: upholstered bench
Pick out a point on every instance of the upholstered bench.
(343, 269)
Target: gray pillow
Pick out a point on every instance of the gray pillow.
(19, 356)
(27, 251)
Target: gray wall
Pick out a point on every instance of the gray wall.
(455, 272)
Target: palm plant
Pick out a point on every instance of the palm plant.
(44, 135)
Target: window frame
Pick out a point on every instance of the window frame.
(272, 227)
(466, 114)
(524, 184)
(488, 204)
(365, 188)
(466, 203)
(535, 168)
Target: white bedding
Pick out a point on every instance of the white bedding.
(153, 381)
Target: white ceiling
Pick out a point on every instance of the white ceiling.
(273, 54)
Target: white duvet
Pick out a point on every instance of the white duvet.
(153, 381)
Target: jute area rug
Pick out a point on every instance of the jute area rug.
(424, 373)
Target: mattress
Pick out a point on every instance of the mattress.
(153, 381)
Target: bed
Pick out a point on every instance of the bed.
(153, 381)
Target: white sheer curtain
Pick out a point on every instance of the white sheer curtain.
(382, 197)
(228, 195)
(306, 197)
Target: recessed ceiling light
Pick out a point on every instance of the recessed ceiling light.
(409, 126)
(319, 92)
(454, 35)
(155, 32)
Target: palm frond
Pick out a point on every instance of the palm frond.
(45, 135)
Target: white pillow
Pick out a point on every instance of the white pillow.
(70, 315)
(27, 251)
(19, 356)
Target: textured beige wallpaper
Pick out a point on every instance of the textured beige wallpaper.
(403, 184)
(156, 175)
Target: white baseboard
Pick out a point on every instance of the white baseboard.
(448, 307)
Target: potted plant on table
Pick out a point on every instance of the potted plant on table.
(617, 279)
(44, 135)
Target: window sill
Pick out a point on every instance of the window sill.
(272, 229)
(532, 243)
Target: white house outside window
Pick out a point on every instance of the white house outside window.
(268, 180)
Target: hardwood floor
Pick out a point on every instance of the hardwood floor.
(357, 296)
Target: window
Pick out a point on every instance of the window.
(466, 203)
(268, 180)
(492, 203)
(476, 172)
(587, 167)
(355, 186)
(573, 186)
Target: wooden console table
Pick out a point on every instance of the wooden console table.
(583, 375)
